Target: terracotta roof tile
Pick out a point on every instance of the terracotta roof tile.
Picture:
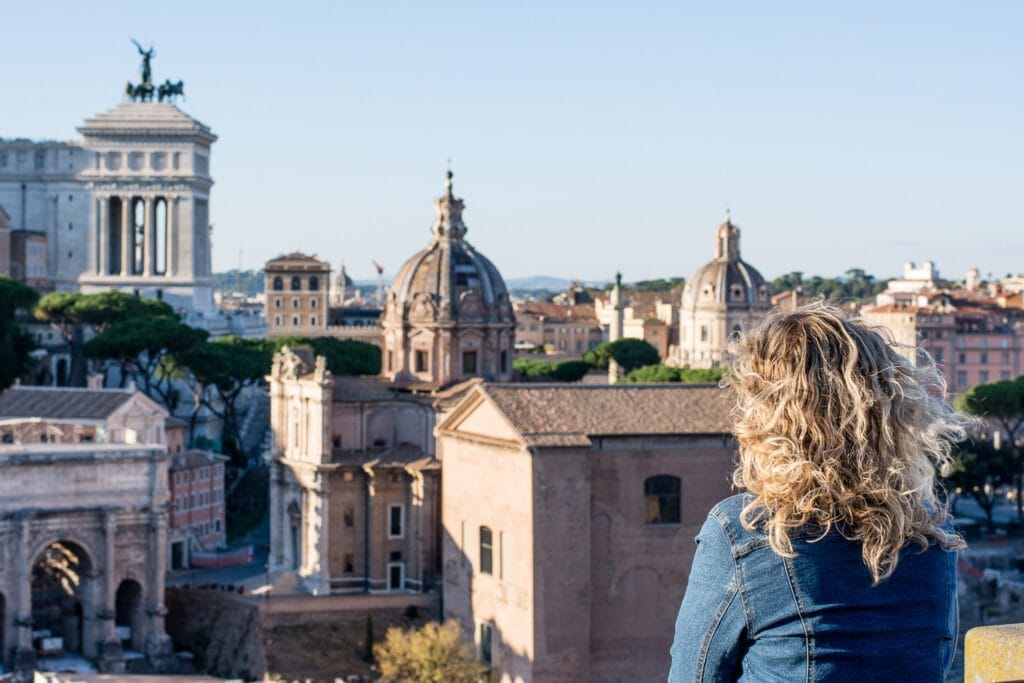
(559, 415)
(62, 403)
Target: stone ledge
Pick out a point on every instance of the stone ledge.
(994, 653)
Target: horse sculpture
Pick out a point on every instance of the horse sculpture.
(143, 92)
(169, 90)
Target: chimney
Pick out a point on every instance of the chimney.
(94, 380)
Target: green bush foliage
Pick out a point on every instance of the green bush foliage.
(652, 374)
(435, 653)
(564, 371)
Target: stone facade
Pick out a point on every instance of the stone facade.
(355, 486)
(569, 518)
(125, 208)
(83, 534)
(297, 290)
(724, 296)
(448, 316)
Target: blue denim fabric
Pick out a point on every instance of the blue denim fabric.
(750, 615)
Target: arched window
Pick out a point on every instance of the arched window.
(662, 500)
(314, 283)
(278, 284)
(296, 283)
(486, 550)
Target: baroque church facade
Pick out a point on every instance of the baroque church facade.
(355, 481)
(725, 296)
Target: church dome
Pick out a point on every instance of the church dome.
(727, 281)
(449, 281)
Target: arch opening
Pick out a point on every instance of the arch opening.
(129, 617)
(63, 600)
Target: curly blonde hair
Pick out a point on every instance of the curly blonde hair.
(838, 430)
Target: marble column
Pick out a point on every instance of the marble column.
(277, 526)
(159, 649)
(323, 541)
(413, 536)
(148, 241)
(126, 236)
(25, 654)
(111, 654)
(103, 236)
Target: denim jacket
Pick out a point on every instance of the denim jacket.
(750, 615)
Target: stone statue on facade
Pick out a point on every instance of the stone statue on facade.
(144, 91)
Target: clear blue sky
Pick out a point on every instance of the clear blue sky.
(586, 137)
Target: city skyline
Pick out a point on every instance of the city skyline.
(585, 140)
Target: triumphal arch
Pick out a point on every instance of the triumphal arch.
(83, 538)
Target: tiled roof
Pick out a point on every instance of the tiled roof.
(576, 312)
(361, 389)
(559, 415)
(62, 402)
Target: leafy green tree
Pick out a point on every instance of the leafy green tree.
(598, 356)
(1002, 404)
(979, 469)
(344, 356)
(15, 344)
(69, 313)
(140, 346)
(652, 374)
(435, 653)
(629, 353)
(219, 371)
(564, 371)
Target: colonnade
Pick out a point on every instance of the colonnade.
(151, 248)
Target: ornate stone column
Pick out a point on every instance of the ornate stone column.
(414, 535)
(126, 235)
(172, 237)
(277, 526)
(25, 654)
(148, 252)
(321, 561)
(111, 654)
(103, 236)
(159, 649)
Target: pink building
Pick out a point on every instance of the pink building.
(974, 338)
(197, 505)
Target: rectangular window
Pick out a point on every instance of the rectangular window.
(396, 576)
(277, 302)
(504, 361)
(662, 499)
(983, 376)
(984, 358)
(349, 563)
(469, 362)
(396, 521)
(349, 517)
(938, 355)
(961, 379)
(962, 357)
(421, 361)
(486, 550)
(486, 643)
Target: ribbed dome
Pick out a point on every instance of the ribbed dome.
(449, 280)
(727, 280)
